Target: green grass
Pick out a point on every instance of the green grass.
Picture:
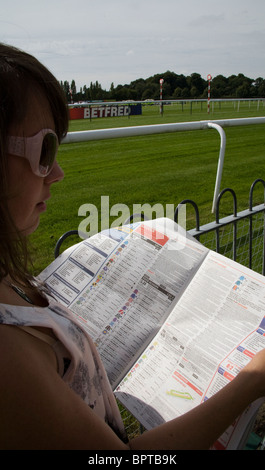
(162, 169)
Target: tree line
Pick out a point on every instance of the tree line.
(174, 87)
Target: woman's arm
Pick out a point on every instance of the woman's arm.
(39, 411)
(202, 426)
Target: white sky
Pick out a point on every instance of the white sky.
(122, 40)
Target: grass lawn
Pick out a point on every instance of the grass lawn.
(159, 169)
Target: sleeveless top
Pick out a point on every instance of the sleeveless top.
(79, 363)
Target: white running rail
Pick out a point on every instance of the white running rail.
(113, 133)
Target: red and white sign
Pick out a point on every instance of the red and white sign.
(92, 112)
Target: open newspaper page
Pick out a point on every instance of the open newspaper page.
(122, 284)
(216, 327)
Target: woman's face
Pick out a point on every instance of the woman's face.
(28, 192)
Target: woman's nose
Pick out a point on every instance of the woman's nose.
(55, 175)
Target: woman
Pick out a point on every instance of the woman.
(53, 388)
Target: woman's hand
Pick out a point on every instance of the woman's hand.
(256, 371)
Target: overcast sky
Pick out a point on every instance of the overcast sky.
(122, 40)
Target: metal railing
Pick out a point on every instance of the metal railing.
(240, 235)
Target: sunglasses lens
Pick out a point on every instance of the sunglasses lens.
(48, 153)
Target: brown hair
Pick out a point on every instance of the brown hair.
(20, 75)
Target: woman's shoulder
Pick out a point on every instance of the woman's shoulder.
(39, 410)
(18, 348)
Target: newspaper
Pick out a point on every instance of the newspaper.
(173, 321)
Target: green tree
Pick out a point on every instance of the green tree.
(174, 87)
(96, 92)
(177, 93)
(112, 92)
(194, 92)
(185, 93)
(73, 87)
(219, 87)
(196, 85)
(66, 88)
(151, 91)
(243, 91)
(236, 82)
(258, 88)
(138, 86)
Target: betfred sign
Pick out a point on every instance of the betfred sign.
(106, 111)
(92, 112)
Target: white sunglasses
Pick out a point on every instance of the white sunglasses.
(40, 150)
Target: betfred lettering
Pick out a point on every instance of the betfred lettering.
(105, 111)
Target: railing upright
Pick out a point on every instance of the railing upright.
(259, 180)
